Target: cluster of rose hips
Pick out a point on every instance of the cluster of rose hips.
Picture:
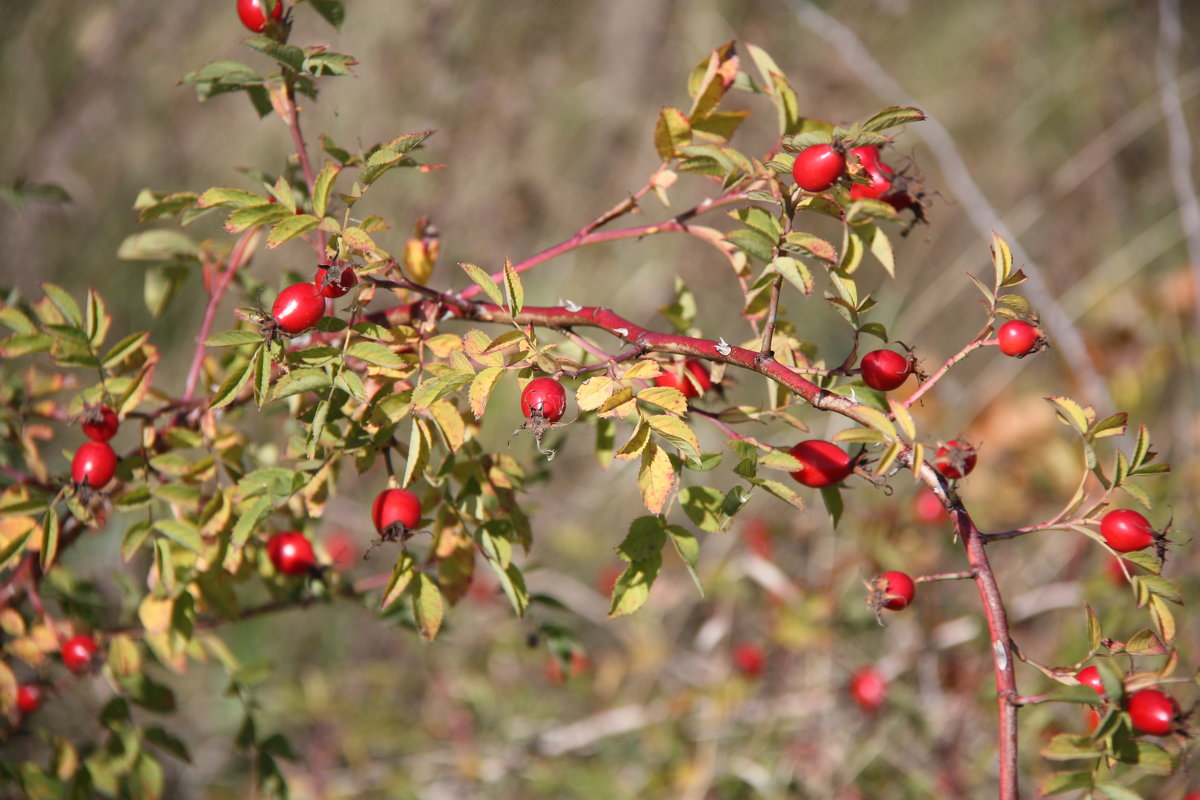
(299, 306)
(819, 167)
(78, 654)
(1151, 711)
(95, 462)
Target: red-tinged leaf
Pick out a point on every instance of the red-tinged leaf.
(255, 216)
(230, 198)
(671, 133)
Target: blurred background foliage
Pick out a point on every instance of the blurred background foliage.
(544, 115)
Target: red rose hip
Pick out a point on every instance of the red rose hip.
(868, 689)
(1153, 712)
(298, 307)
(1090, 677)
(821, 463)
(396, 512)
(1017, 338)
(94, 464)
(291, 553)
(29, 698)
(818, 167)
(891, 590)
(253, 13)
(692, 379)
(955, 459)
(885, 370)
(748, 659)
(545, 397)
(100, 423)
(334, 280)
(77, 653)
(1125, 531)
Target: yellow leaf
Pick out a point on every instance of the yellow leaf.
(594, 392)
(665, 397)
(481, 388)
(903, 419)
(655, 478)
(642, 370)
(155, 614)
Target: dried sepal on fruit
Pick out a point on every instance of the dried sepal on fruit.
(543, 402)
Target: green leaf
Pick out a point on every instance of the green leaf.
(753, 242)
(13, 549)
(1068, 747)
(484, 282)
(233, 339)
(677, 432)
(323, 187)
(1115, 791)
(50, 533)
(514, 292)
(158, 245)
(167, 741)
(250, 519)
(430, 391)
(1059, 782)
(428, 608)
(65, 304)
(219, 77)
(230, 197)
(689, 550)
(794, 271)
(184, 533)
(332, 11)
(256, 216)
(892, 116)
(290, 228)
(703, 506)
(375, 353)
(124, 349)
(420, 442)
(299, 381)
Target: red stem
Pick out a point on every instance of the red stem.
(293, 123)
(236, 260)
(587, 235)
